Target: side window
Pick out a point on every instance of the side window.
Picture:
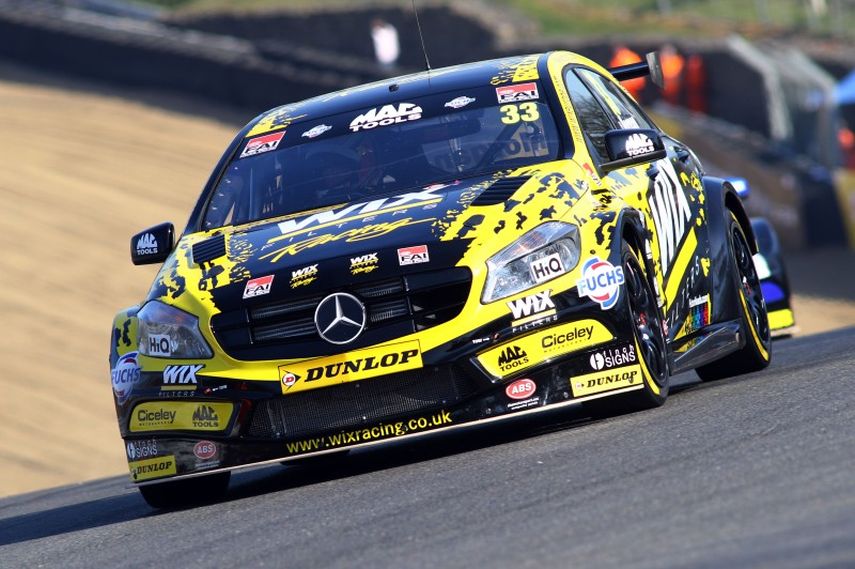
(592, 118)
(628, 115)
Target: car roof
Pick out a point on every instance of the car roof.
(482, 73)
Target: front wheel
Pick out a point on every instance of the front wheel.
(648, 339)
(756, 353)
(187, 492)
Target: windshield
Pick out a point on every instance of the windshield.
(384, 150)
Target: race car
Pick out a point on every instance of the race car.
(422, 254)
(769, 263)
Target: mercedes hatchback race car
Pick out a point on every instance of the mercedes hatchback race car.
(425, 253)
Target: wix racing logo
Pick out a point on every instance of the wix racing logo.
(146, 244)
(638, 144)
(365, 208)
(532, 304)
(304, 276)
(386, 115)
(181, 374)
(670, 211)
(363, 263)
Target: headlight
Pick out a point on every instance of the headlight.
(542, 254)
(166, 332)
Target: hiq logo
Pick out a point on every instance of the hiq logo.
(601, 282)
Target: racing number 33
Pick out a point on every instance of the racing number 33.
(512, 114)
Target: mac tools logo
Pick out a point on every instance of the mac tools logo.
(386, 115)
(147, 245)
(638, 144)
(601, 282)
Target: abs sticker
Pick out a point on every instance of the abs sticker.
(516, 93)
(521, 389)
(262, 144)
(601, 282)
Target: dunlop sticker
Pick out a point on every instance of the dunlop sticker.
(592, 383)
(152, 468)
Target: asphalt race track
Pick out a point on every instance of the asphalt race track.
(754, 471)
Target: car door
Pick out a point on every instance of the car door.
(668, 191)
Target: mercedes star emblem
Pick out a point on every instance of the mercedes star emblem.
(340, 318)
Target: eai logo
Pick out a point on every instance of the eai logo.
(125, 375)
(386, 115)
(601, 282)
(521, 389)
(261, 144)
(413, 255)
(257, 287)
(670, 211)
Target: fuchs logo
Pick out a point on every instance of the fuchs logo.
(601, 282)
(362, 209)
(146, 244)
(413, 255)
(205, 450)
(516, 93)
(363, 263)
(304, 276)
(316, 131)
(205, 416)
(638, 144)
(511, 357)
(258, 287)
(262, 144)
(521, 389)
(386, 115)
(613, 357)
(534, 304)
(125, 375)
(459, 102)
(670, 211)
(547, 268)
(182, 374)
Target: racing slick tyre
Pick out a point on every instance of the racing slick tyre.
(650, 344)
(188, 492)
(755, 355)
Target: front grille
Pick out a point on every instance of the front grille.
(395, 307)
(360, 403)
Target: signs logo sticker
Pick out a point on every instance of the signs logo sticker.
(385, 116)
(262, 144)
(613, 357)
(413, 255)
(517, 93)
(258, 286)
(601, 282)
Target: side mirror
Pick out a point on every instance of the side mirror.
(631, 146)
(152, 245)
(741, 185)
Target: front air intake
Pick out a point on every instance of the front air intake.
(500, 190)
(209, 249)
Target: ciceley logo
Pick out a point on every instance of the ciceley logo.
(146, 244)
(638, 144)
(386, 115)
(511, 357)
(205, 416)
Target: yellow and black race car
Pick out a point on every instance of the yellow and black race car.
(451, 247)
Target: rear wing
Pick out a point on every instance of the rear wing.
(650, 66)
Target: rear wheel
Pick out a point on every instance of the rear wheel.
(756, 353)
(188, 492)
(649, 339)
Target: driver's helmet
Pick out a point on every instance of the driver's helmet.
(335, 173)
